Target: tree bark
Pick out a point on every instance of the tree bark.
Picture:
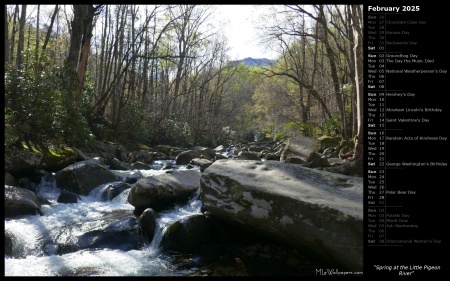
(13, 36)
(334, 76)
(49, 31)
(6, 36)
(80, 42)
(359, 76)
(36, 49)
(20, 44)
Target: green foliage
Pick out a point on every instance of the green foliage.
(292, 129)
(175, 133)
(332, 125)
(131, 128)
(71, 121)
(38, 106)
(211, 139)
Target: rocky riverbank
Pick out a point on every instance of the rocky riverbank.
(208, 244)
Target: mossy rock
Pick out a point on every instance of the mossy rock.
(35, 156)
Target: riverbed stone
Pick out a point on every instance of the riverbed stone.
(202, 163)
(161, 191)
(186, 156)
(315, 211)
(112, 190)
(20, 201)
(187, 235)
(82, 177)
(24, 162)
(148, 223)
(302, 147)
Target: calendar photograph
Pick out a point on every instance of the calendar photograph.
(222, 140)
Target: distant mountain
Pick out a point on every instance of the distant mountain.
(254, 62)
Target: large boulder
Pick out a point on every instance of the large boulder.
(315, 211)
(82, 177)
(185, 157)
(25, 162)
(187, 235)
(20, 201)
(162, 191)
(144, 156)
(303, 147)
(202, 163)
(105, 150)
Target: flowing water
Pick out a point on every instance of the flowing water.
(35, 254)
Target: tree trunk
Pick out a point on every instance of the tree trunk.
(80, 42)
(6, 37)
(359, 76)
(13, 36)
(20, 44)
(49, 31)
(36, 49)
(334, 76)
(75, 36)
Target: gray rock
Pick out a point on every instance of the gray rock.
(185, 157)
(106, 150)
(247, 155)
(161, 191)
(23, 162)
(148, 222)
(112, 190)
(187, 235)
(220, 156)
(318, 212)
(82, 177)
(144, 156)
(67, 197)
(302, 147)
(133, 177)
(351, 168)
(10, 180)
(294, 160)
(9, 243)
(115, 230)
(140, 166)
(203, 163)
(221, 148)
(20, 201)
(116, 164)
(121, 235)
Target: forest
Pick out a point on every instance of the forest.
(161, 74)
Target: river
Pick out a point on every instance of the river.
(36, 255)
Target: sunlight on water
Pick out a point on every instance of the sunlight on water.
(34, 253)
(91, 263)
